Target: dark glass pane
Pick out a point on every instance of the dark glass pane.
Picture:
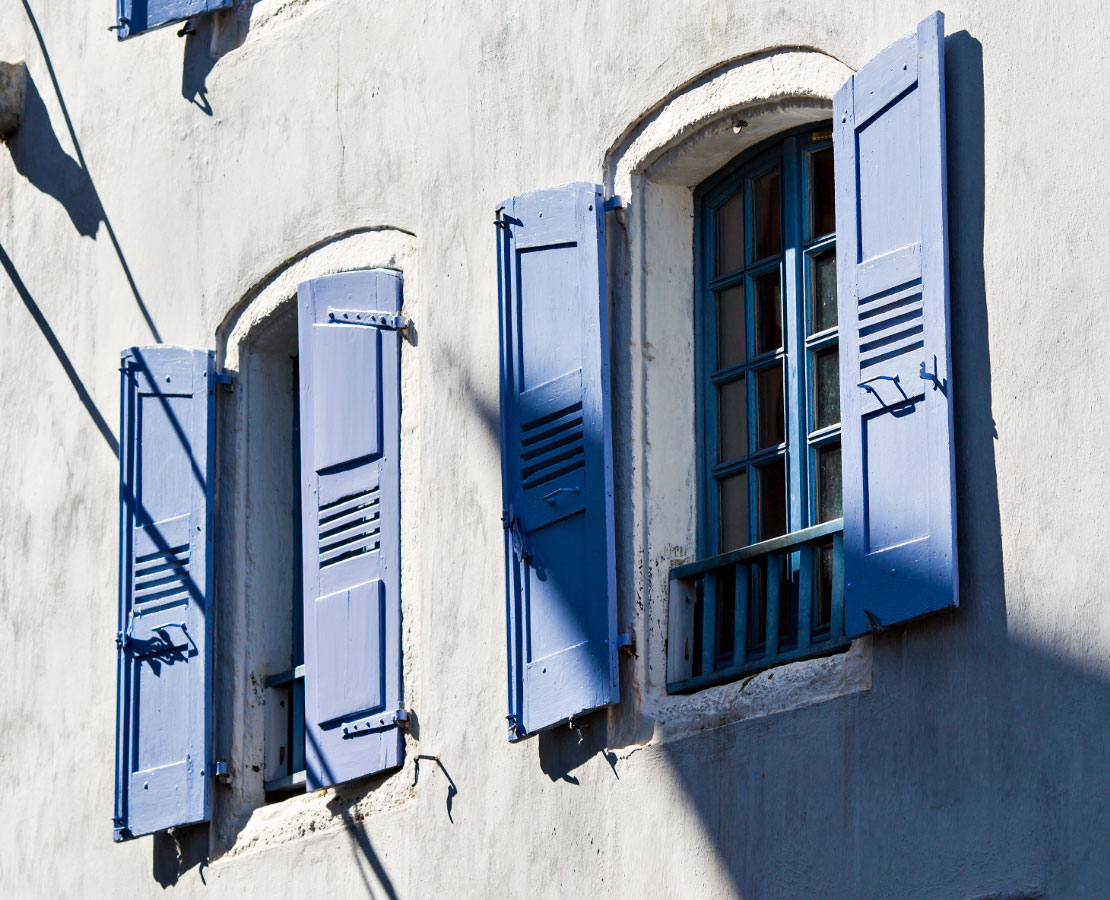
(730, 234)
(822, 212)
(734, 513)
(757, 606)
(732, 420)
(767, 303)
(726, 613)
(822, 609)
(768, 214)
(822, 290)
(772, 499)
(731, 341)
(770, 415)
(830, 504)
(826, 387)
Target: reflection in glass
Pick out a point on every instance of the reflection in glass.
(734, 512)
(772, 499)
(822, 290)
(770, 415)
(730, 234)
(830, 503)
(826, 387)
(768, 214)
(731, 338)
(822, 212)
(732, 424)
(767, 303)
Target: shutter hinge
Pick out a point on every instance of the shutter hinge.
(625, 641)
(226, 378)
(376, 318)
(511, 524)
(613, 202)
(375, 723)
(220, 771)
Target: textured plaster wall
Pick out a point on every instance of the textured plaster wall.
(156, 189)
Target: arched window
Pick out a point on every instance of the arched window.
(768, 392)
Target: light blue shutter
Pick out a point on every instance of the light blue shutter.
(556, 457)
(896, 392)
(137, 16)
(350, 384)
(164, 699)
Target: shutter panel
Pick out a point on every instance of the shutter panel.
(892, 239)
(556, 457)
(350, 396)
(137, 16)
(164, 700)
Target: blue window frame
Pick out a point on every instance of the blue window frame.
(769, 576)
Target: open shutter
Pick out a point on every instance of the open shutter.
(350, 390)
(137, 16)
(896, 391)
(556, 456)
(163, 710)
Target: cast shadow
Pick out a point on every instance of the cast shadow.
(177, 851)
(39, 157)
(207, 40)
(59, 352)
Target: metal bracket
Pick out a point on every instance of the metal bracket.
(375, 723)
(220, 771)
(372, 317)
(614, 202)
(227, 379)
(626, 642)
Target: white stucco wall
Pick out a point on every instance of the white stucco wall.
(157, 192)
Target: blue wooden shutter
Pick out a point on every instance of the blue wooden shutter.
(556, 456)
(164, 700)
(892, 240)
(137, 16)
(350, 374)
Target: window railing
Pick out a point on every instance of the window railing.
(760, 606)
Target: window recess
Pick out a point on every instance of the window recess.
(768, 588)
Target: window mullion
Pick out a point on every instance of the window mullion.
(793, 322)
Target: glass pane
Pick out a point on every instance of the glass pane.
(726, 613)
(732, 420)
(770, 416)
(772, 499)
(826, 387)
(734, 513)
(822, 213)
(829, 491)
(757, 606)
(730, 327)
(822, 609)
(767, 297)
(730, 234)
(768, 214)
(822, 290)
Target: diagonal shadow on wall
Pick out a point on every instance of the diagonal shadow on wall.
(38, 156)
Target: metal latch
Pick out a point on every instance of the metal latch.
(373, 317)
(220, 770)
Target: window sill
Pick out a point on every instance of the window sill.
(791, 686)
